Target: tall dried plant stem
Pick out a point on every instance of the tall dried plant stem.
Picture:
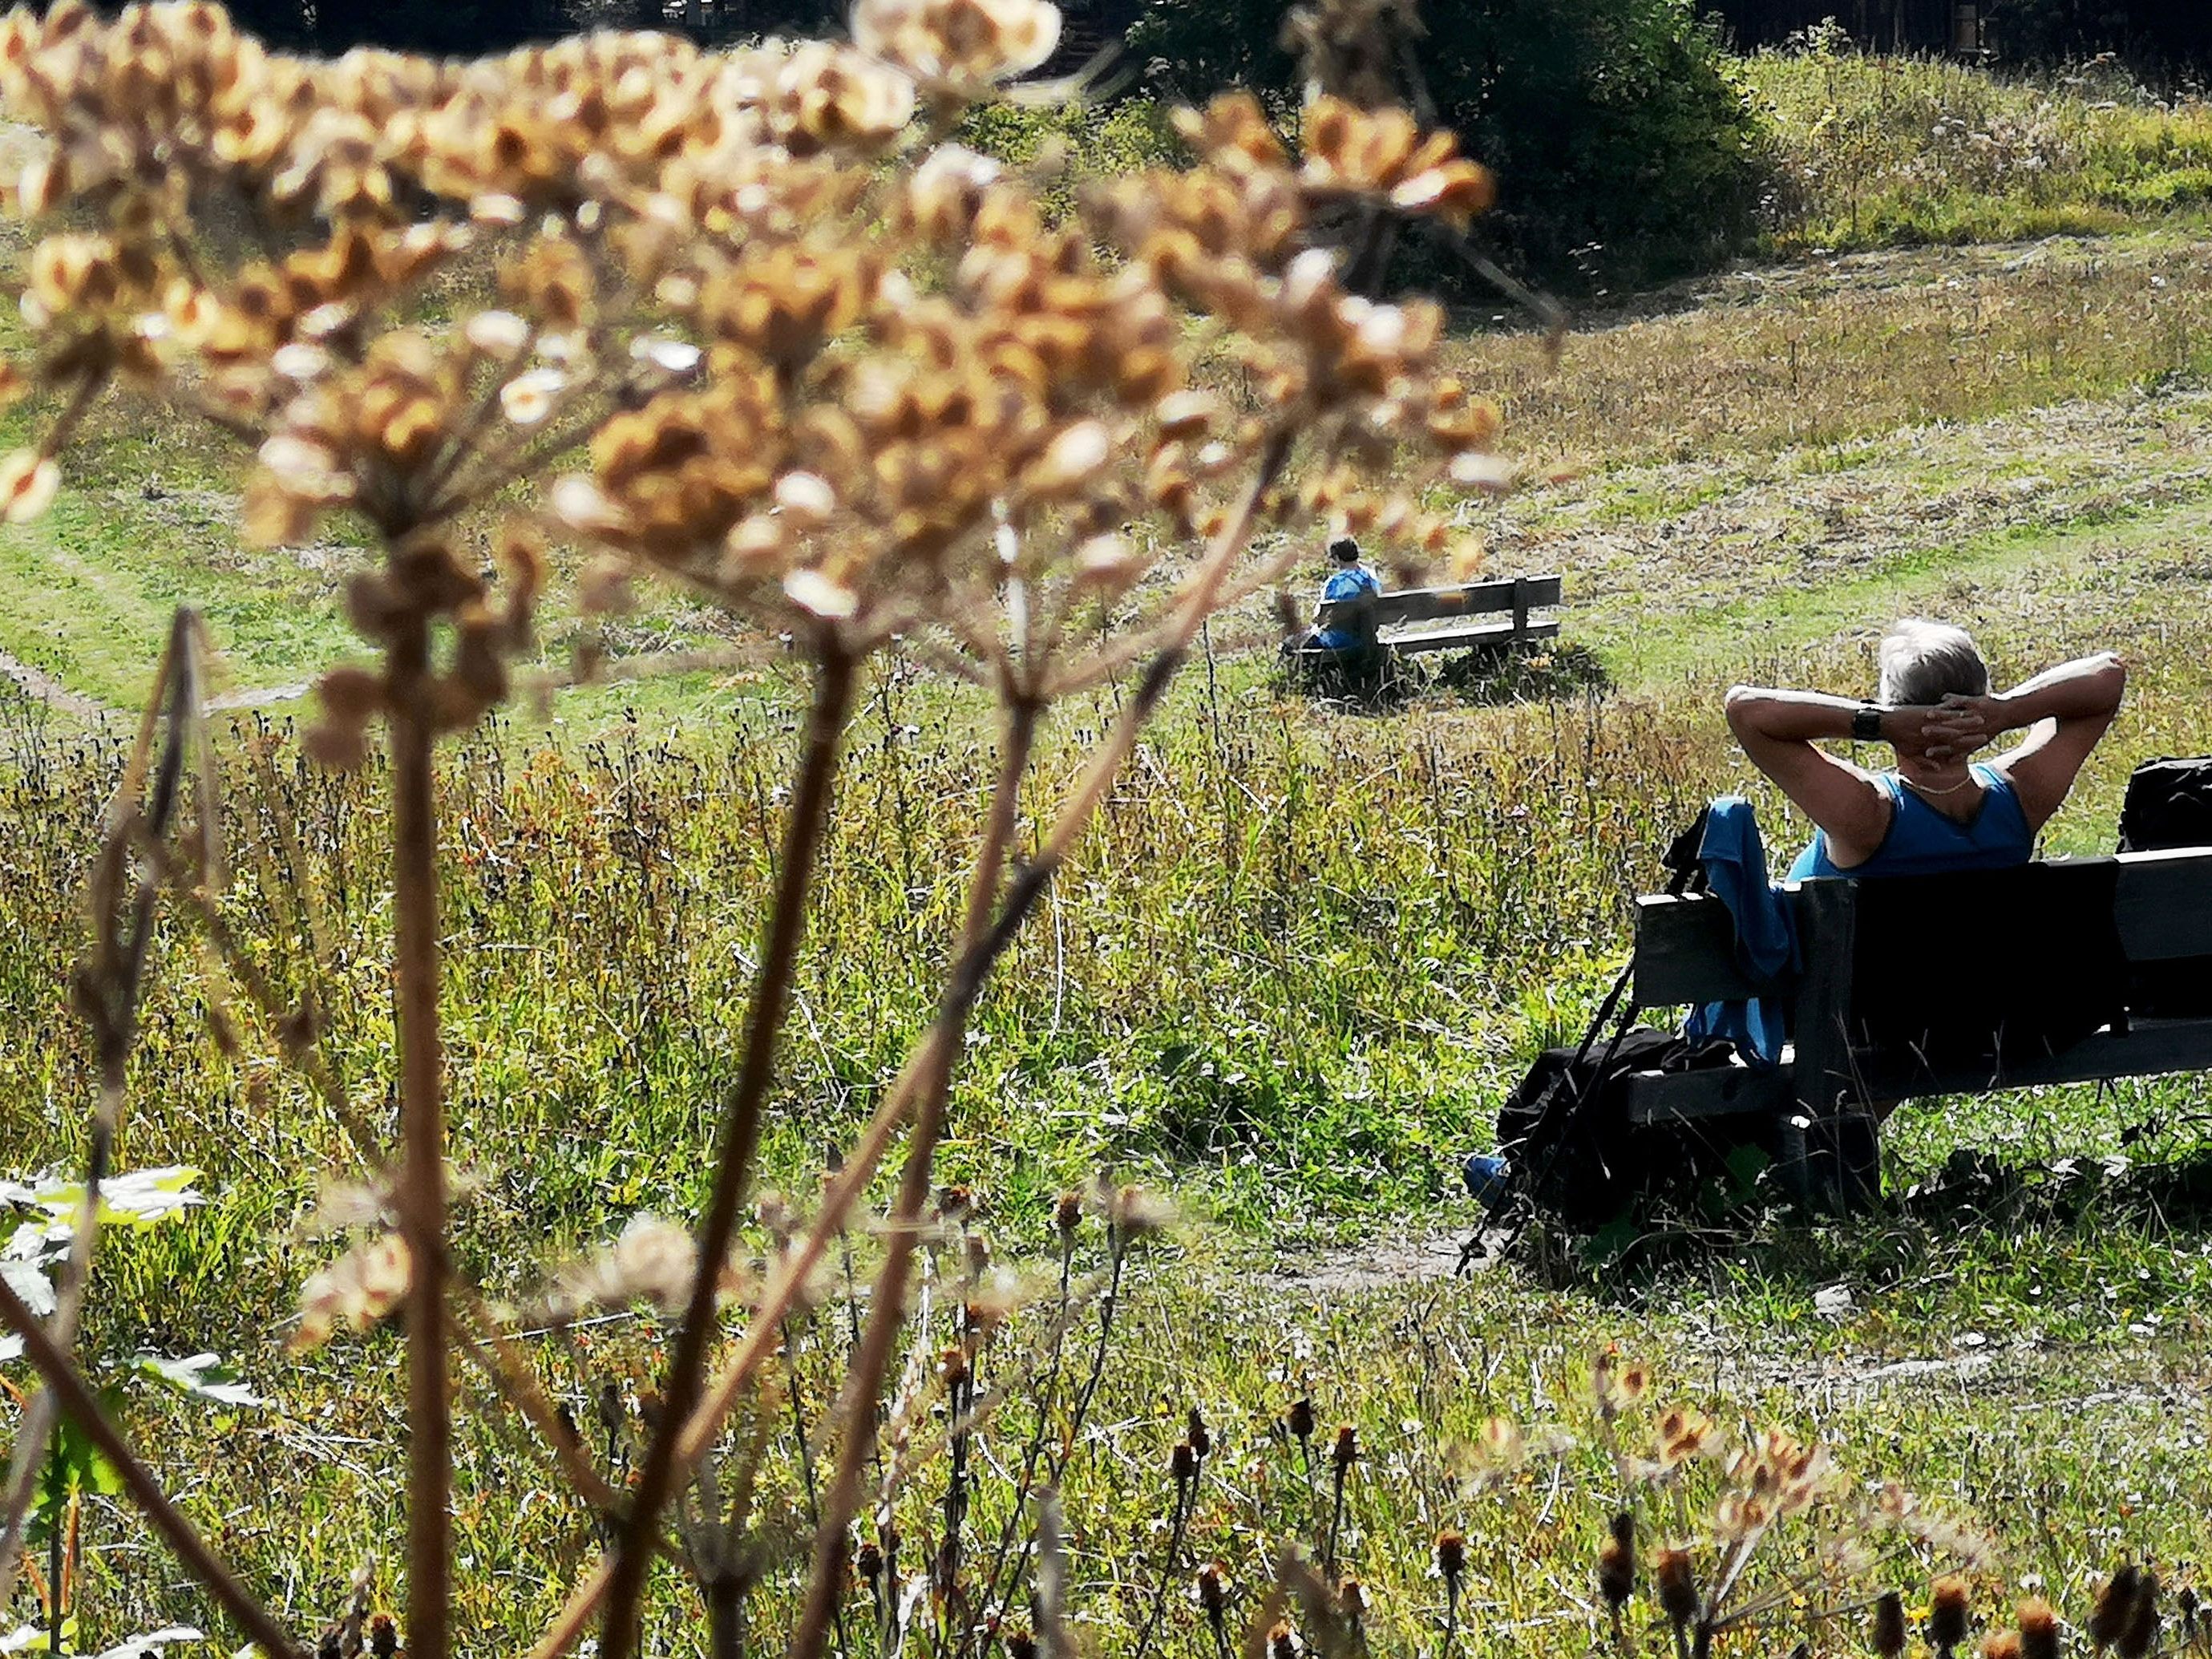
(834, 672)
(944, 1033)
(108, 988)
(421, 1196)
(76, 1401)
(887, 1308)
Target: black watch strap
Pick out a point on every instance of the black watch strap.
(1866, 723)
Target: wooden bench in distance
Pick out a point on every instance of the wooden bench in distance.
(1395, 621)
(1685, 954)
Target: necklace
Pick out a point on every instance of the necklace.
(1948, 789)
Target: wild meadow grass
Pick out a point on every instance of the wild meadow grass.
(1874, 151)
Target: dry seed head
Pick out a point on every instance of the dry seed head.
(1678, 1587)
(383, 1636)
(2039, 1629)
(1947, 1613)
(1183, 1463)
(356, 1291)
(1212, 1588)
(1616, 1561)
(1020, 1644)
(1194, 1431)
(1352, 1600)
(1299, 1420)
(2140, 1634)
(1282, 1642)
(1345, 1452)
(2114, 1607)
(1887, 1636)
(1067, 1214)
(868, 1560)
(1451, 1554)
(2001, 1644)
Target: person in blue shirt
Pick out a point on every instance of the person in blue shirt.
(1936, 808)
(1350, 580)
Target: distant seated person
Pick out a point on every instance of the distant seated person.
(1333, 629)
(1937, 808)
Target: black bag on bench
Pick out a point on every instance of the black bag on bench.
(2168, 807)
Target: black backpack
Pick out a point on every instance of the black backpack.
(2169, 805)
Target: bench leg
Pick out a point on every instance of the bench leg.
(1832, 1165)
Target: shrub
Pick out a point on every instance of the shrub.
(1624, 150)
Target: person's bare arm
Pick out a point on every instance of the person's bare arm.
(2065, 710)
(1778, 731)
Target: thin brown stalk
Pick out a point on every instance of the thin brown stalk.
(422, 1194)
(109, 987)
(740, 1134)
(76, 1401)
(942, 1036)
(857, 1406)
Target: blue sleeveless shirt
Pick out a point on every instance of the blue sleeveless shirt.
(1921, 840)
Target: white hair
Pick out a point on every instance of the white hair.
(1924, 662)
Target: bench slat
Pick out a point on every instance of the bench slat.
(2147, 1048)
(1686, 952)
(1470, 635)
(2164, 904)
(1428, 603)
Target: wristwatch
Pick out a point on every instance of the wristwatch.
(1866, 722)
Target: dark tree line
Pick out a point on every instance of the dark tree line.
(2172, 37)
(2158, 36)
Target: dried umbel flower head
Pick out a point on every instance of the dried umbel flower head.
(1887, 1634)
(354, 1292)
(1947, 1604)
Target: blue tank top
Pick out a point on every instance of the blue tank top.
(1922, 840)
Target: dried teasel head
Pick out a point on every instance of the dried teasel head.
(1948, 1602)
(1616, 1562)
(2001, 1644)
(1299, 1419)
(1195, 1431)
(1067, 1215)
(383, 1636)
(868, 1560)
(1676, 1579)
(1887, 1634)
(2039, 1629)
(1282, 1642)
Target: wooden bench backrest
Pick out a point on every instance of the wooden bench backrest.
(1685, 947)
(1414, 605)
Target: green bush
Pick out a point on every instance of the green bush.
(1624, 150)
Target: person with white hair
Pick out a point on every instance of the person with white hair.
(1937, 808)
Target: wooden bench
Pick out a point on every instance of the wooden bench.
(1818, 1099)
(1397, 622)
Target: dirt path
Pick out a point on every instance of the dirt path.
(43, 686)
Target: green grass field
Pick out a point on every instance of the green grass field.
(1302, 954)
